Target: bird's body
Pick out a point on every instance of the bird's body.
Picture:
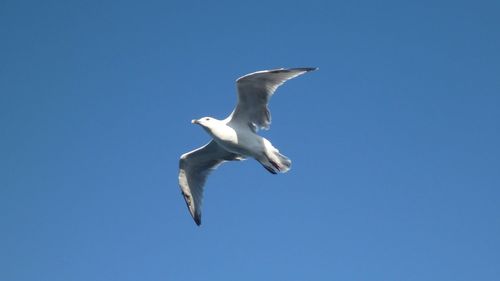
(236, 138)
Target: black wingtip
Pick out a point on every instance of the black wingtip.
(197, 220)
(306, 69)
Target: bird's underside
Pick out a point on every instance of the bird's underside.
(251, 112)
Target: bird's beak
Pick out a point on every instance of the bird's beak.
(194, 121)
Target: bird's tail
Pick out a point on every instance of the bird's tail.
(274, 161)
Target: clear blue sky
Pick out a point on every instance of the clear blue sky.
(394, 141)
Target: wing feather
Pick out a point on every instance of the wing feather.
(255, 90)
(194, 167)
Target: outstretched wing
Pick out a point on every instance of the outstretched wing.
(254, 91)
(194, 168)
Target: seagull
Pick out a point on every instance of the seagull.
(235, 138)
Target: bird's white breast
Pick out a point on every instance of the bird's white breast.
(237, 140)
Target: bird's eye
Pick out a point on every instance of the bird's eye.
(207, 119)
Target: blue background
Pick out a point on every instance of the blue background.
(394, 141)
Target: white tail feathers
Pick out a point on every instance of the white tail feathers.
(283, 162)
(275, 162)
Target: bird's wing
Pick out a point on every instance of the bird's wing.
(194, 168)
(254, 91)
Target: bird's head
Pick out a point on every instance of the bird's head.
(205, 122)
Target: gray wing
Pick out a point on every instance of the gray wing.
(194, 168)
(254, 91)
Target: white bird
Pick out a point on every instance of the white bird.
(236, 138)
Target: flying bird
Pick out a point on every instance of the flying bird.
(235, 138)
